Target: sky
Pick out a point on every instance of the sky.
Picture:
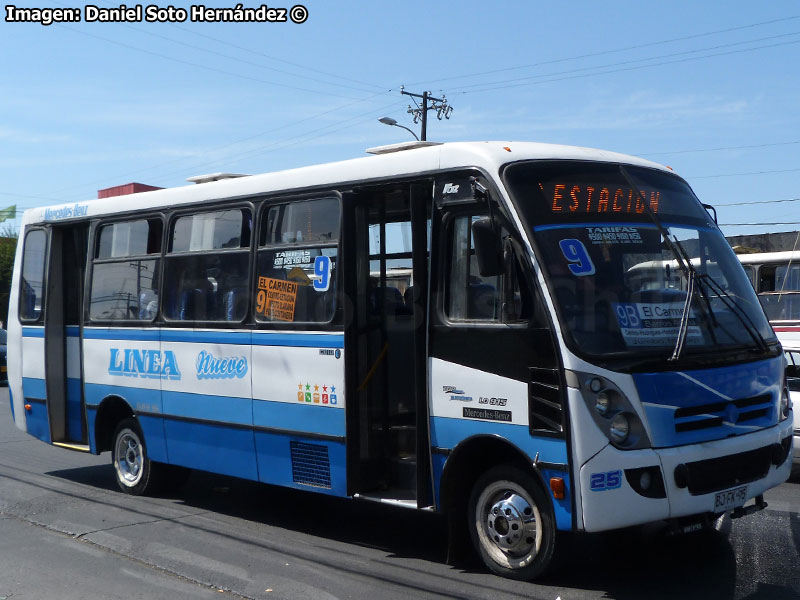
(710, 88)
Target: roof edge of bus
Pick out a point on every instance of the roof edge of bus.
(430, 157)
(772, 256)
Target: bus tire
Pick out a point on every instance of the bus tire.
(135, 472)
(511, 523)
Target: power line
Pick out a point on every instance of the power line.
(602, 52)
(717, 149)
(256, 52)
(280, 144)
(206, 67)
(242, 60)
(759, 224)
(175, 41)
(217, 148)
(635, 68)
(739, 174)
(759, 202)
(634, 61)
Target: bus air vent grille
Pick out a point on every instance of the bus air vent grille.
(545, 404)
(310, 464)
(730, 412)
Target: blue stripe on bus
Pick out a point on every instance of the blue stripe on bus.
(74, 409)
(447, 432)
(616, 224)
(305, 340)
(33, 387)
(11, 399)
(712, 393)
(299, 417)
(206, 337)
(142, 335)
(73, 331)
(37, 423)
(212, 447)
(33, 332)
(257, 338)
(302, 418)
(227, 409)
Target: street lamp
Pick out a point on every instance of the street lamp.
(391, 121)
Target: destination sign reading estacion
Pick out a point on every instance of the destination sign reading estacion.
(566, 197)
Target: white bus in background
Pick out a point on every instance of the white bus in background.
(776, 279)
(502, 365)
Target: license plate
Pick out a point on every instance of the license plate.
(731, 499)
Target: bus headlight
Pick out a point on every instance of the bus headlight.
(786, 404)
(602, 403)
(619, 428)
(612, 411)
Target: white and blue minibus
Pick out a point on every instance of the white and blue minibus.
(452, 327)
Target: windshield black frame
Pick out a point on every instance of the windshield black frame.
(681, 210)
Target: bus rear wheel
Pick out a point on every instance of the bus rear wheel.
(511, 523)
(135, 472)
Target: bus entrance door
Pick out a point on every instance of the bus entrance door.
(386, 277)
(62, 337)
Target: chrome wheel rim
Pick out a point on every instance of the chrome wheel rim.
(129, 458)
(509, 524)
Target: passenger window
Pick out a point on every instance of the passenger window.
(32, 284)
(297, 255)
(207, 267)
(131, 238)
(125, 273)
(211, 231)
(471, 297)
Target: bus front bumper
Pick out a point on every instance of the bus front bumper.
(623, 488)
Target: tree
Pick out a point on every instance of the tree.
(8, 249)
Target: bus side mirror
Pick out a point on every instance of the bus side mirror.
(487, 247)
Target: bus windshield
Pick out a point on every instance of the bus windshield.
(620, 289)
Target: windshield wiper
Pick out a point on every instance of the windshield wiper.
(683, 262)
(737, 310)
(683, 329)
(691, 274)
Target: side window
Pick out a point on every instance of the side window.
(32, 283)
(471, 297)
(125, 271)
(296, 274)
(207, 266)
(766, 278)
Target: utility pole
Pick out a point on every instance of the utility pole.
(420, 113)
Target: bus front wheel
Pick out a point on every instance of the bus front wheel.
(511, 523)
(132, 466)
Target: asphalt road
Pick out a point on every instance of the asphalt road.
(66, 532)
